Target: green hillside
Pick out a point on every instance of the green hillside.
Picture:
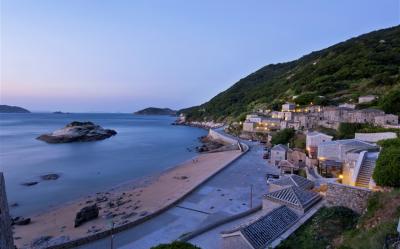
(368, 64)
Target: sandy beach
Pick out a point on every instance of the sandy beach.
(121, 205)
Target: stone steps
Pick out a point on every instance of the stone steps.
(364, 176)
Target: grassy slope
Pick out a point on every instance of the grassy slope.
(339, 228)
(368, 64)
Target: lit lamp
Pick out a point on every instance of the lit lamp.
(341, 176)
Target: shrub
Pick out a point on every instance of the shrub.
(391, 102)
(387, 169)
(283, 136)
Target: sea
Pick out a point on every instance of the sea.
(144, 146)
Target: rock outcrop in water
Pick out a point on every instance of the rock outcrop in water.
(78, 132)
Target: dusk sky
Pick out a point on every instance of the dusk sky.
(120, 56)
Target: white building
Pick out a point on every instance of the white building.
(336, 150)
(366, 99)
(313, 140)
(288, 107)
(278, 153)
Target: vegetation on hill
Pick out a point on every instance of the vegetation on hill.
(12, 109)
(283, 136)
(387, 169)
(320, 230)
(340, 227)
(176, 245)
(156, 111)
(368, 64)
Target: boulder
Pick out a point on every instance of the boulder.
(78, 132)
(50, 177)
(86, 214)
(20, 221)
(29, 183)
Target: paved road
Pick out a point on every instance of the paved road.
(225, 194)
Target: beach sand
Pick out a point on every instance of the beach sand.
(123, 205)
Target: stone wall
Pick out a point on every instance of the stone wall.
(219, 136)
(351, 197)
(375, 137)
(6, 237)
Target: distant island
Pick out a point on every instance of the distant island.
(12, 109)
(156, 111)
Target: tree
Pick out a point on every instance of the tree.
(347, 130)
(283, 136)
(176, 245)
(391, 102)
(387, 169)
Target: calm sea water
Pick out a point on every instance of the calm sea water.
(144, 145)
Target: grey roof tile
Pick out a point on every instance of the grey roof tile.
(264, 230)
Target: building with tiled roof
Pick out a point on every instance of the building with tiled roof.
(294, 197)
(260, 233)
(291, 180)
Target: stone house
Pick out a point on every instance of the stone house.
(363, 116)
(387, 119)
(278, 153)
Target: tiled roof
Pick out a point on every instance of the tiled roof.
(294, 196)
(316, 133)
(280, 147)
(295, 180)
(264, 230)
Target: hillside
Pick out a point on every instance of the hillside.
(12, 109)
(367, 64)
(156, 111)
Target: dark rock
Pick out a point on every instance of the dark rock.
(86, 214)
(13, 205)
(29, 183)
(50, 177)
(20, 221)
(78, 132)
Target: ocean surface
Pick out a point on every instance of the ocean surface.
(144, 146)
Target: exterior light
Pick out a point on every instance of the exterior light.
(341, 176)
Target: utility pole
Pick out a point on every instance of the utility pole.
(112, 235)
(251, 196)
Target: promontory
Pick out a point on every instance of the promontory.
(12, 109)
(78, 132)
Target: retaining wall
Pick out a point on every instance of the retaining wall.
(355, 198)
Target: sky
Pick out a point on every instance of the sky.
(122, 55)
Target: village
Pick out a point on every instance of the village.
(336, 171)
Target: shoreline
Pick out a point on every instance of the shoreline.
(134, 202)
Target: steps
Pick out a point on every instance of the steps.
(365, 174)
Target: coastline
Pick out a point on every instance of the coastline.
(133, 202)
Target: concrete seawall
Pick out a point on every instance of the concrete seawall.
(104, 234)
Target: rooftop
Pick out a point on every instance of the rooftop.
(294, 196)
(280, 147)
(295, 180)
(264, 230)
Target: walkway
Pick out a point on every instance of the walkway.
(225, 194)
